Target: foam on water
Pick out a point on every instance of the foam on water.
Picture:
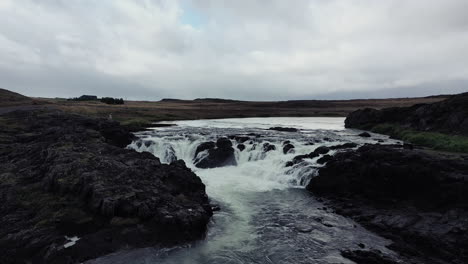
(263, 202)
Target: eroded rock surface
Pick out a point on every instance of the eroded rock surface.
(417, 199)
(65, 175)
(448, 116)
(218, 155)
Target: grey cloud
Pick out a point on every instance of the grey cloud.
(255, 50)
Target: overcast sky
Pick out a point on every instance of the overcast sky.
(253, 50)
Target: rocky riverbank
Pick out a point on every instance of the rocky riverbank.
(448, 116)
(71, 192)
(417, 199)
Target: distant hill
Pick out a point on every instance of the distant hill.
(11, 98)
(215, 100)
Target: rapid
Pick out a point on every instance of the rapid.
(266, 214)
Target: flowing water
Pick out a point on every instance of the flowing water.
(266, 214)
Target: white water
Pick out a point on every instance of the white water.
(266, 215)
(308, 123)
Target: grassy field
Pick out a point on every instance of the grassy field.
(142, 112)
(434, 140)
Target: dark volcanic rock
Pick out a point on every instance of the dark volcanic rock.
(364, 134)
(287, 148)
(223, 143)
(204, 146)
(322, 150)
(241, 147)
(324, 159)
(299, 158)
(344, 146)
(268, 147)
(239, 139)
(449, 116)
(367, 257)
(284, 129)
(417, 199)
(67, 175)
(222, 154)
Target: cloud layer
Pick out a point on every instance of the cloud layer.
(254, 50)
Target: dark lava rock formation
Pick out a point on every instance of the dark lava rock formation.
(284, 129)
(364, 134)
(219, 155)
(344, 146)
(448, 116)
(65, 175)
(288, 148)
(416, 198)
(317, 152)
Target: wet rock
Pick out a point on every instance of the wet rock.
(322, 150)
(299, 158)
(215, 207)
(367, 257)
(364, 134)
(241, 139)
(241, 147)
(268, 147)
(70, 182)
(324, 159)
(416, 198)
(148, 143)
(220, 156)
(284, 129)
(344, 146)
(288, 148)
(139, 143)
(223, 143)
(286, 142)
(204, 146)
(408, 146)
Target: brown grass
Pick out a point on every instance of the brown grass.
(144, 111)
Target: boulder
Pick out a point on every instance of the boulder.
(268, 147)
(219, 156)
(299, 158)
(288, 148)
(364, 134)
(223, 143)
(322, 150)
(204, 146)
(241, 147)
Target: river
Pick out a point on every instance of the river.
(266, 214)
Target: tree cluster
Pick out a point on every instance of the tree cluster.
(110, 100)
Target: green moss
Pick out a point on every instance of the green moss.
(434, 140)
